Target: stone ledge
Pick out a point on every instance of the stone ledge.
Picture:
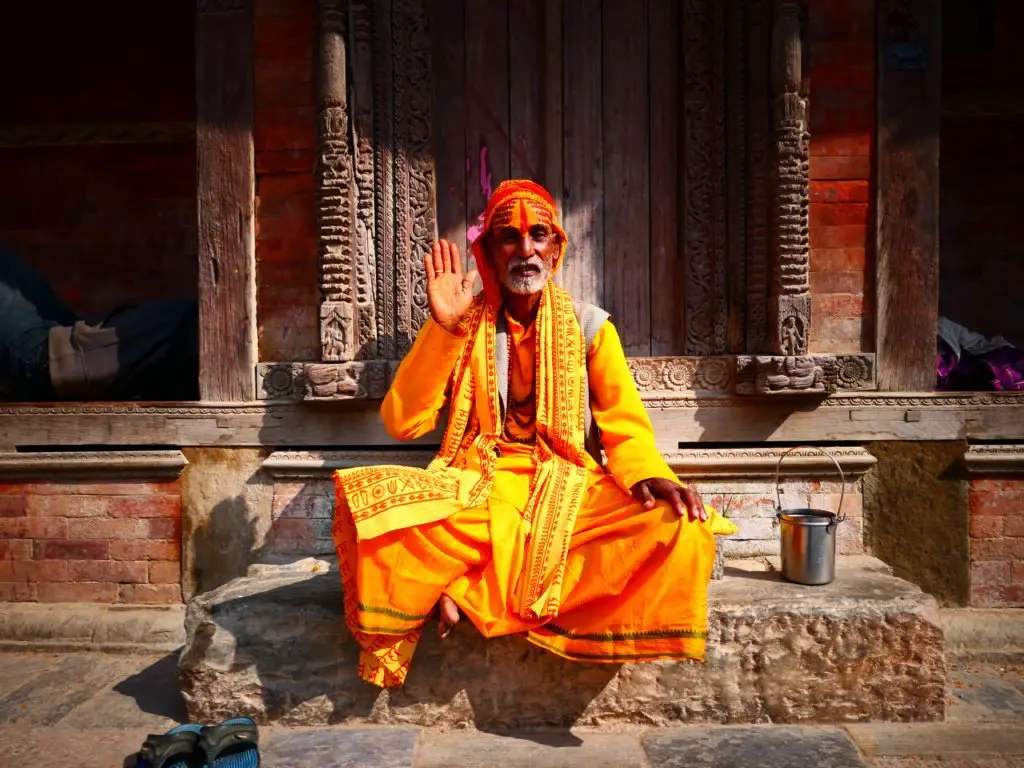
(92, 465)
(66, 627)
(866, 647)
(983, 633)
(994, 459)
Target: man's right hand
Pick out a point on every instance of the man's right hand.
(449, 292)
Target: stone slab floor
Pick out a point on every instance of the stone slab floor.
(90, 710)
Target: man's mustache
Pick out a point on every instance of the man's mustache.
(519, 263)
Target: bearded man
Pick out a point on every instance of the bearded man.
(520, 522)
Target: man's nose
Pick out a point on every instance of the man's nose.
(526, 245)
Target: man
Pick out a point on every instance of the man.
(147, 351)
(515, 523)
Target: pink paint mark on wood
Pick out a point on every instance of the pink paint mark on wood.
(485, 175)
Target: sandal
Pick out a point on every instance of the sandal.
(174, 749)
(232, 744)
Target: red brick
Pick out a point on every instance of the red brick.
(832, 55)
(164, 528)
(285, 161)
(284, 128)
(32, 528)
(986, 526)
(853, 236)
(839, 305)
(108, 570)
(841, 168)
(837, 282)
(1006, 548)
(102, 528)
(853, 76)
(284, 250)
(1004, 503)
(838, 214)
(145, 506)
(840, 192)
(146, 550)
(13, 506)
(1014, 526)
(989, 573)
(164, 573)
(1017, 573)
(286, 185)
(150, 594)
(838, 260)
(68, 506)
(841, 20)
(276, 275)
(40, 570)
(297, 224)
(15, 549)
(15, 489)
(988, 596)
(284, 37)
(165, 488)
(72, 550)
(78, 592)
(18, 592)
(842, 118)
(991, 484)
(276, 206)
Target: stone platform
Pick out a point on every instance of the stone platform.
(868, 647)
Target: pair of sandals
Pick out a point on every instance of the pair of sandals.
(232, 744)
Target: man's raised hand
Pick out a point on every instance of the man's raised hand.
(685, 501)
(449, 291)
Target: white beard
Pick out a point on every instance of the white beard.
(527, 284)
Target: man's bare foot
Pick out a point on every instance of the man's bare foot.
(449, 616)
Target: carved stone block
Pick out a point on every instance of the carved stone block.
(367, 380)
(337, 331)
(779, 375)
(791, 319)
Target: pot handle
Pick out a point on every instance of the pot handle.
(842, 478)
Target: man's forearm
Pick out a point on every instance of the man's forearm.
(417, 393)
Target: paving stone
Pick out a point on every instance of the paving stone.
(48, 697)
(339, 748)
(916, 762)
(975, 740)
(21, 746)
(467, 749)
(16, 669)
(764, 747)
(984, 693)
(144, 694)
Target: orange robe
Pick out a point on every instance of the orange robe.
(635, 580)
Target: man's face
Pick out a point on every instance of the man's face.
(524, 259)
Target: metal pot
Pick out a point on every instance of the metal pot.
(808, 536)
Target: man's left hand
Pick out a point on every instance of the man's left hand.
(683, 500)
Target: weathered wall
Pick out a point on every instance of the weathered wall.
(288, 297)
(982, 160)
(225, 502)
(82, 541)
(916, 515)
(107, 214)
(842, 122)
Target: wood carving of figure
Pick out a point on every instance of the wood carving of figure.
(518, 524)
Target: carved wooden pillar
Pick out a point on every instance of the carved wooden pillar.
(336, 190)
(225, 189)
(790, 305)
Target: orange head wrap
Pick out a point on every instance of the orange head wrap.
(518, 203)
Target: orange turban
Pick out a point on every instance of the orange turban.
(521, 204)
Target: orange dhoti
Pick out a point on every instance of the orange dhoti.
(634, 588)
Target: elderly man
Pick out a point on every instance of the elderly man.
(518, 523)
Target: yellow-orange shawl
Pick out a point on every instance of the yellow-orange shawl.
(387, 498)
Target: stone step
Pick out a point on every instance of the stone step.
(868, 647)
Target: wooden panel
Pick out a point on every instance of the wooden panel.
(553, 82)
(583, 175)
(736, 171)
(487, 140)
(383, 171)
(909, 101)
(758, 153)
(450, 119)
(225, 190)
(666, 278)
(526, 22)
(627, 192)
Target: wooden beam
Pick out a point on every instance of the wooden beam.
(909, 100)
(225, 190)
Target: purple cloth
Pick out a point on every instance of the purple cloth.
(1000, 369)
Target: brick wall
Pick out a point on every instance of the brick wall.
(303, 514)
(997, 542)
(105, 223)
(285, 141)
(90, 542)
(842, 124)
(981, 163)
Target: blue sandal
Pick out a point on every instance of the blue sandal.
(174, 749)
(232, 744)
